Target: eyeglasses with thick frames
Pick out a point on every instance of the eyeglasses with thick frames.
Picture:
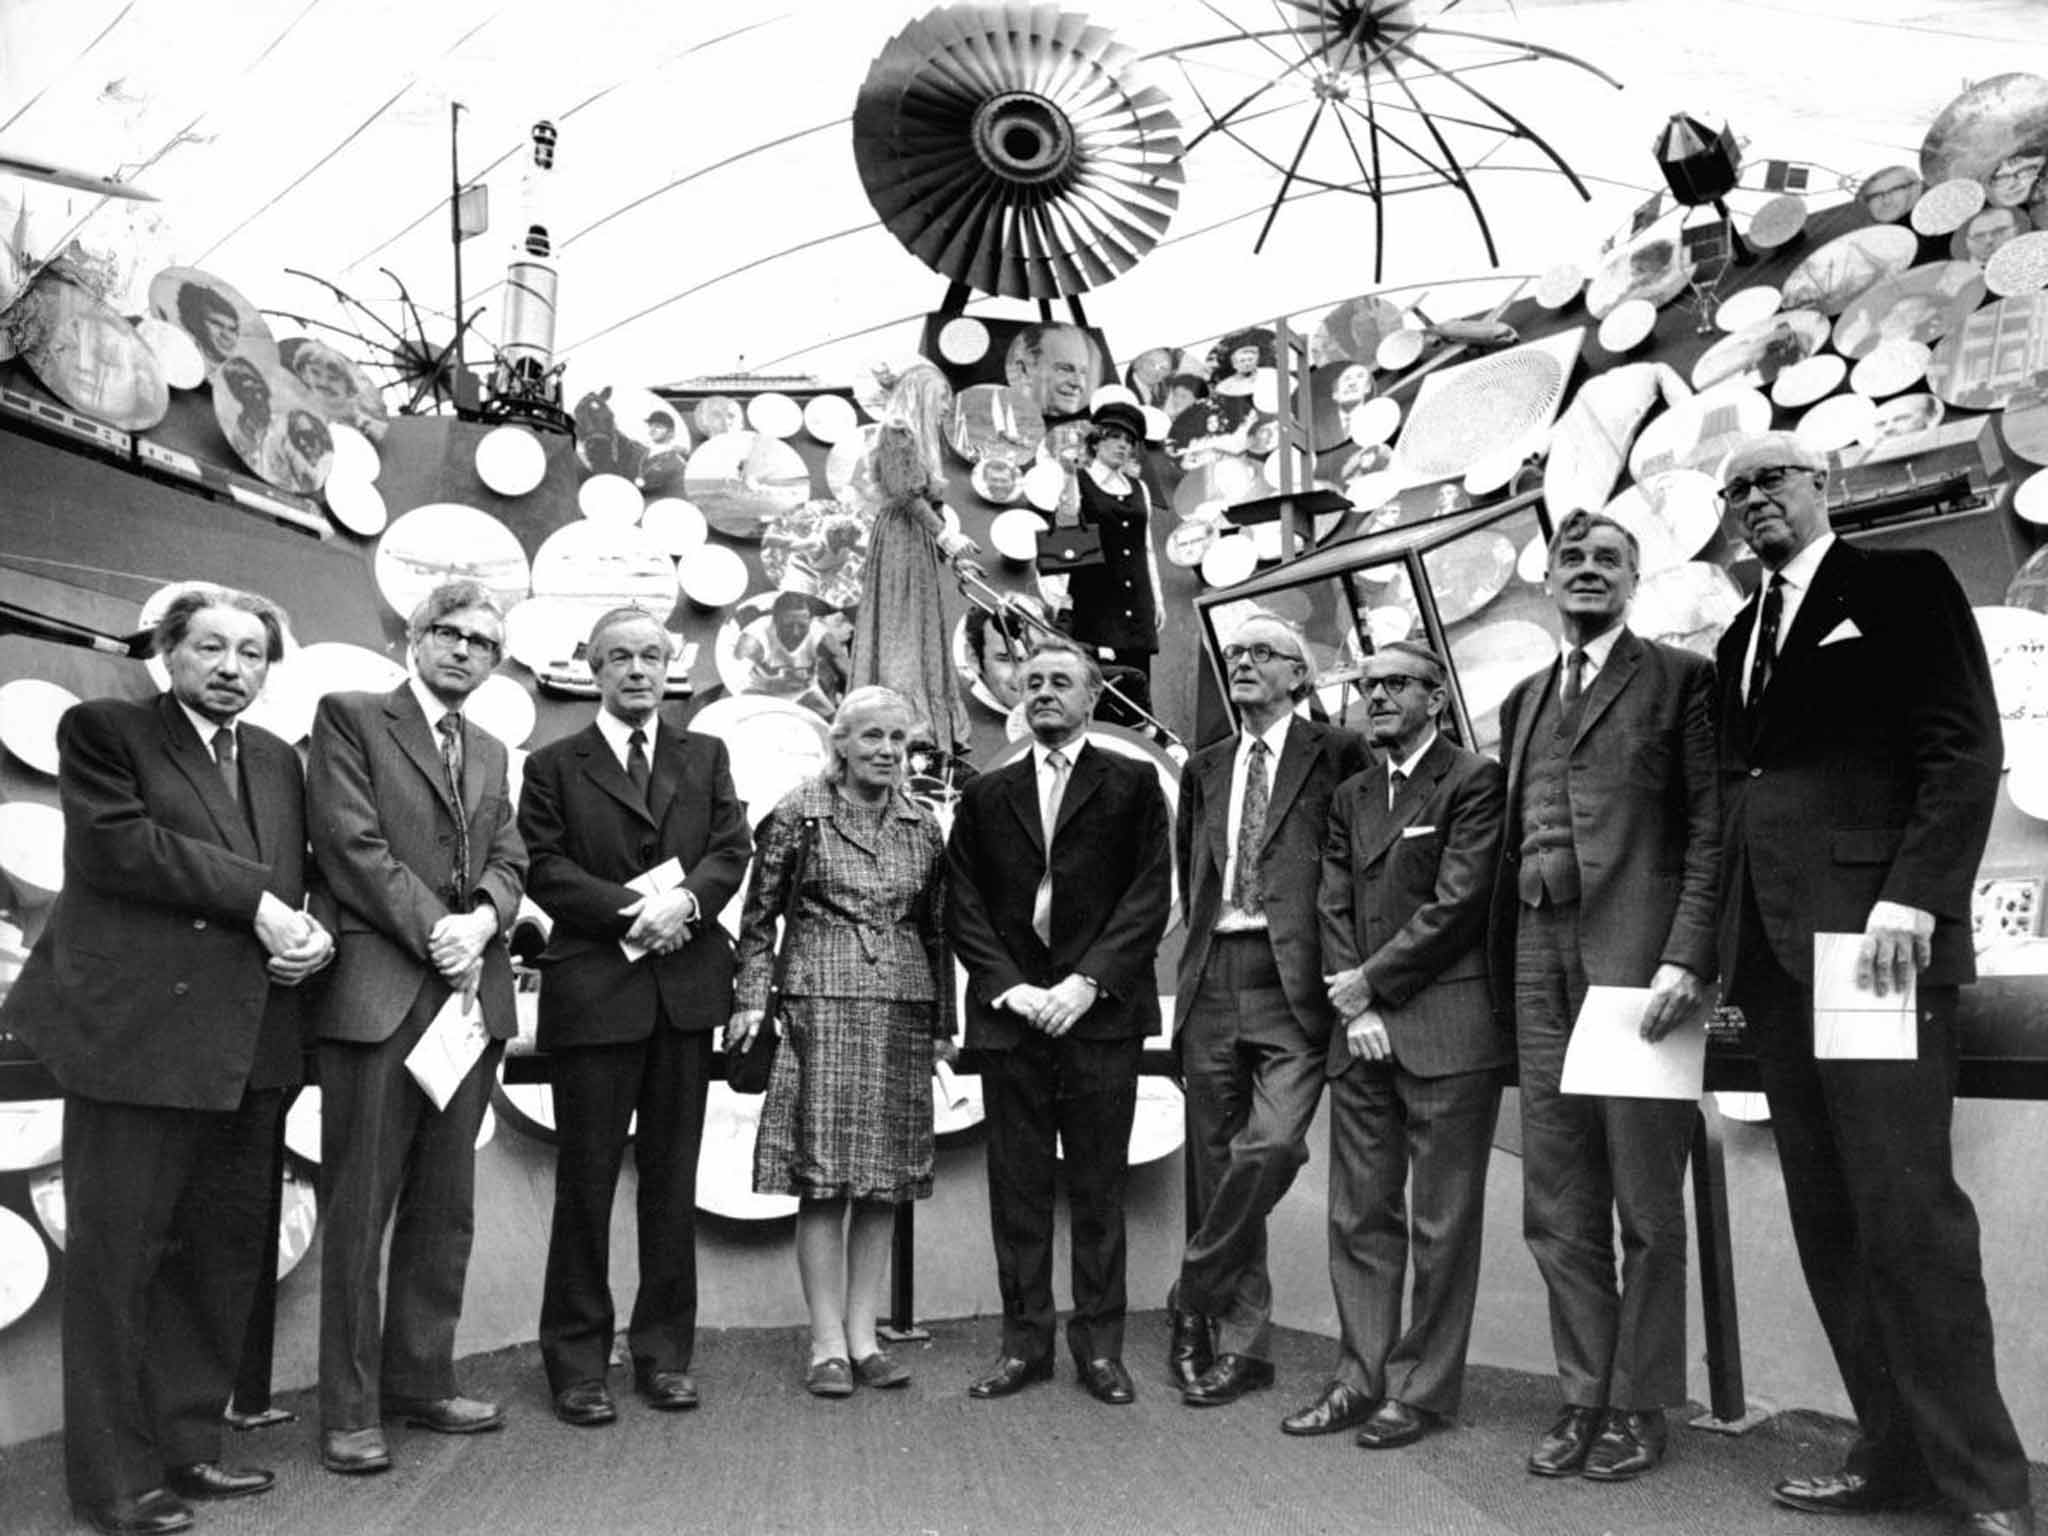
(450, 636)
(1769, 479)
(1260, 653)
(1392, 682)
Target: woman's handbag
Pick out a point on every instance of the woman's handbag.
(748, 1070)
(1068, 545)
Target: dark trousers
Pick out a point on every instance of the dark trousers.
(598, 1088)
(1888, 1241)
(1387, 1124)
(259, 1339)
(1586, 1161)
(1083, 1093)
(165, 1209)
(1253, 1079)
(388, 1157)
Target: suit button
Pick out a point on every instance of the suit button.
(180, 989)
(199, 925)
(446, 839)
(646, 852)
(1756, 773)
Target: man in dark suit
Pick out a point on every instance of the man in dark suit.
(1060, 889)
(1251, 1016)
(1860, 750)
(1608, 869)
(161, 995)
(1415, 1074)
(634, 985)
(412, 826)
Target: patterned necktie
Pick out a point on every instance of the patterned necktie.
(1766, 658)
(1049, 817)
(450, 727)
(1395, 779)
(224, 755)
(636, 760)
(1574, 676)
(1248, 894)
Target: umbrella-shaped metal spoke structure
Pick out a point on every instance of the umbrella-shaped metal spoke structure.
(1017, 149)
(1390, 106)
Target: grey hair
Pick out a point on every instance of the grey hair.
(616, 618)
(1417, 652)
(1091, 667)
(1303, 655)
(1581, 523)
(861, 701)
(176, 622)
(452, 597)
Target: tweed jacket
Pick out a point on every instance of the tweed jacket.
(870, 918)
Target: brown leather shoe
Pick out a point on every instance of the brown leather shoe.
(1340, 1407)
(1561, 1449)
(1227, 1380)
(1394, 1424)
(1629, 1444)
(2018, 1521)
(155, 1513)
(354, 1451)
(445, 1415)
(211, 1480)
(1845, 1493)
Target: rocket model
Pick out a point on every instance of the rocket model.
(525, 380)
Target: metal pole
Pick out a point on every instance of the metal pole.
(455, 220)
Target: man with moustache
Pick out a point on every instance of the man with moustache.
(1609, 863)
(1251, 1016)
(1059, 894)
(412, 825)
(162, 997)
(634, 985)
(1860, 754)
(1415, 1073)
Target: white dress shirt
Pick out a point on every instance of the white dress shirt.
(1798, 574)
(1230, 920)
(1597, 651)
(617, 734)
(1406, 767)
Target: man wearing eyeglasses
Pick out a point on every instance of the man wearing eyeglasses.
(1251, 1017)
(1860, 753)
(1415, 1073)
(411, 823)
(1609, 865)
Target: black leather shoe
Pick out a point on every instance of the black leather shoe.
(445, 1415)
(1011, 1375)
(1394, 1424)
(1628, 1445)
(155, 1513)
(1107, 1381)
(585, 1404)
(665, 1391)
(211, 1480)
(1191, 1350)
(1227, 1380)
(354, 1451)
(2000, 1522)
(1562, 1448)
(260, 1418)
(1341, 1406)
(1845, 1493)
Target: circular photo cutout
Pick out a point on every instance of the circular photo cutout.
(634, 433)
(273, 424)
(617, 565)
(1987, 232)
(820, 547)
(741, 480)
(87, 355)
(1995, 133)
(1889, 195)
(1651, 267)
(1352, 331)
(446, 541)
(994, 421)
(785, 645)
(1923, 304)
(336, 386)
(1056, 366)
(217, 318)
(989, 652)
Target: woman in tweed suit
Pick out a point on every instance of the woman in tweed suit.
(867, 1001)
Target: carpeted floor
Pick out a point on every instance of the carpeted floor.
(761, 1456)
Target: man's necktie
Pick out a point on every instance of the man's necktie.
(1049, 817)
(450, 727)
(1766, 658)
(1248, 894)
(224, 755)
(1574, 676)
(1395, 779)
(636, 760)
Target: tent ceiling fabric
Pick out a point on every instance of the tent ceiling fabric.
(707, 210)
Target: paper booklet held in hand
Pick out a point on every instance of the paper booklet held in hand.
(1852, 1023)
(1608, 1055)
(449, 1048)
(665, 876)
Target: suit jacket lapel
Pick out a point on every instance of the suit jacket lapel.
(1083, 779)
(1296, 753)
(1383, 825)
(1023, 797)
(409, 729)
(472, 766)
(603, 770)
(1622, 660)
(1823, 606)
(666, 777)
(1536, 690)
(261, 796)
(194, 758)
(1216, 774)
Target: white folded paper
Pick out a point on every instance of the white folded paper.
(1852, 1023)
(1608, 1055)
(449, 1048)
(950, 1092)
(665, 876)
